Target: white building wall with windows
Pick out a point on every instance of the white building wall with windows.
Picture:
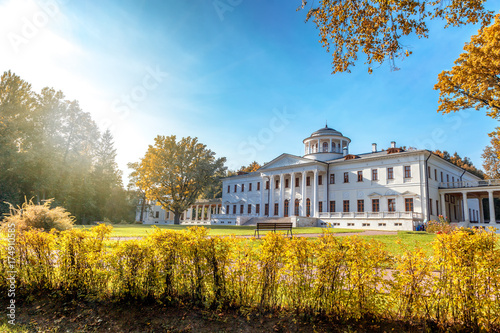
(302, 189)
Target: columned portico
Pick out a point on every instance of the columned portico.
(315, 194)
(492, 206)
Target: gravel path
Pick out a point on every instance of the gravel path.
(363, 233)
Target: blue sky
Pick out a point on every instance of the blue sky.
(249, 79)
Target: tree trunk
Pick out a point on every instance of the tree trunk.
(177, 218)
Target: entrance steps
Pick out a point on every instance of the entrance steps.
(255, 220)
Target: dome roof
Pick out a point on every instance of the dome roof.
(326, 131)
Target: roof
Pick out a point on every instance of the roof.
(326, 131)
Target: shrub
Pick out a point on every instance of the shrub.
(31, 215)
(442, 226)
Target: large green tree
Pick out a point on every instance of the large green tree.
(51, 148)
(174, 173)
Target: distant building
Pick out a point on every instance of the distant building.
(388, 189)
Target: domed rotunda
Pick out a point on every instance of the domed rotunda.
(326, 144)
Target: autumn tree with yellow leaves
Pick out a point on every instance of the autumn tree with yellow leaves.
(174, 173)
(474, 81)
(377, 27)
(491, 156)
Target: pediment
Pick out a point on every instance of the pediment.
(285, 160)
(374, 194)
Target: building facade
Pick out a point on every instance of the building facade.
(388, 189)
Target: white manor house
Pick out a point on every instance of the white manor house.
(388, 189)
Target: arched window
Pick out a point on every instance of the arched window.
(296, 207)
(333, 147)
(285, 213)
(308, 207)
(325, 147)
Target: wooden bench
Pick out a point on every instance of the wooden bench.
(273, 226)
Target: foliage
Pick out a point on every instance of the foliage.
(442, 226)
(491, 156)
(474, 82)
(42, 217)
(456, 288)
(51, 148)
(464, 163)
(174, 173)
(377, 28)
(254, 166)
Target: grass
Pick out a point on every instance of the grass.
(408, 240)
(141, 230)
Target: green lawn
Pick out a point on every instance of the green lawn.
(408, 240)
(140, 230)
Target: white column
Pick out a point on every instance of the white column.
(492, 207)
(315, 194)
(330, 146)
(291, 205)
(262, 195)
(271, 195)
(326, 183)
(443, 205)
(319, 147)
(466, 208)
(303, 189)
(481, 212)
(282, 196)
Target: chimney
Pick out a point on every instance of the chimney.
(374, 147)
(393, 144)
(344, 151)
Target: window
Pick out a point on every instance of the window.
(249, 210)
(250, 187)
(308, 181)
(332, 206)
(361, 206)
(267, 184)
(453, 180)
(346, 206)
(430, 206)
(409, 204)
(287, 183)
(228, 189)
(234, 209)
(391, 205)
(258, 186)
(374, 174)
(437, 207)
(241, 209)
(227, 209)
(441, 176)
(286, 206)
(447, 178)
(296, 181)
(407, 171)
(242, 187)
(257, 209)
(308, 207)
(435, 175)
(157, 215)
(375, 205)
(332, 179)
(325, 147)
(296, 208)
(277, 183)
(276, 209)
(266, 209)
(320, 206)
(390, 173)
(346, 177)
(429, 171)
(235, 188)
(360, 176)
(320, 180)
